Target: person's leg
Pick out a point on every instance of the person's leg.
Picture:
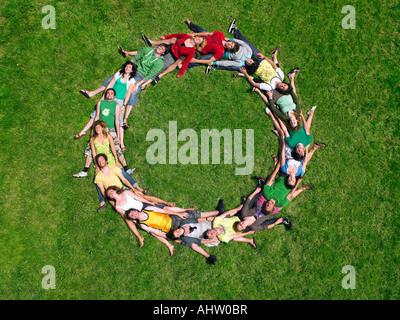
(204, 57)
(195, 28)
(165, 41)
(128, 177)
(238, 35)
(250, 241)
(132, 102)
(169, 69)
(85, 128)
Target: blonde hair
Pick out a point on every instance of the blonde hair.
(200, 47)
(101, 123)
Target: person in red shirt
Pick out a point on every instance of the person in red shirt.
(183, 49)
(215, 46)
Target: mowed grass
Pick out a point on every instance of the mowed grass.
(49, 218)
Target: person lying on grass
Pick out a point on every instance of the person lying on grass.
(215, 45)
(278, 193)
(121, 82)
(269, 73)
(108, 113)
(150, 62)
(255, 214)
(191, 234)
(110, 175)
(158, 223)
(285, 105)
(183, 50)
(123, 200)
(224, 229)
(297, 140)
(292, 164)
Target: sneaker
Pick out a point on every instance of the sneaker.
(232, 26)
(287, 223)
(102, 207)
(130, 171)
(81, 174)
(156, 79)
(220, 207)
(311, 110)
(208, 69)
(260, 182)
(146, 40)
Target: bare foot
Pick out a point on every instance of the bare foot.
(253, 243)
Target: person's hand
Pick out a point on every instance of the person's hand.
(210, 63)
(162, 38)
(243, 70)
(141, 242)
(270, 94)
(183, 215)
(260, 55)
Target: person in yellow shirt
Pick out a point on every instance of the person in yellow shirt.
(158, 223)
(225, 229)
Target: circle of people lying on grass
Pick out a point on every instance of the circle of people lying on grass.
(162, 219)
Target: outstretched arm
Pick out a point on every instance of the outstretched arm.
(272, 175)
(249, 78)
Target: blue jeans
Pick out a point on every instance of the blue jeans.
(196, 29)
(238, 35)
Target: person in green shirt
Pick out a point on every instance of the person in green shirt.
(278, 192)
(149, 61)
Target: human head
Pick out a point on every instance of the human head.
(176, 234)
(112, 191)
(296, 156)
(162, 49)
(131, 214)
(252, 65)
(232, 46)
(284, 88)
(211, 233)
(290, 180)
(100, 126)
(129, 67)
(110, 94)
(199, 44)
(300, 150)
(239, 226)
(268, 206)
(101, 160)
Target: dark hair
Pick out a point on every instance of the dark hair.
(236, 47)
(296, 156)
(253, 67)
(287, 185)
(263, 208)
(126, 214)
(134, 69)
(100, 155)
(117, 189)
(167, 48)
(289, 90)
(170, 235)
(105, 93)
(205, 236)
(235, 226)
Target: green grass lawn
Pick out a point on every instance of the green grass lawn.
(49, 218)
